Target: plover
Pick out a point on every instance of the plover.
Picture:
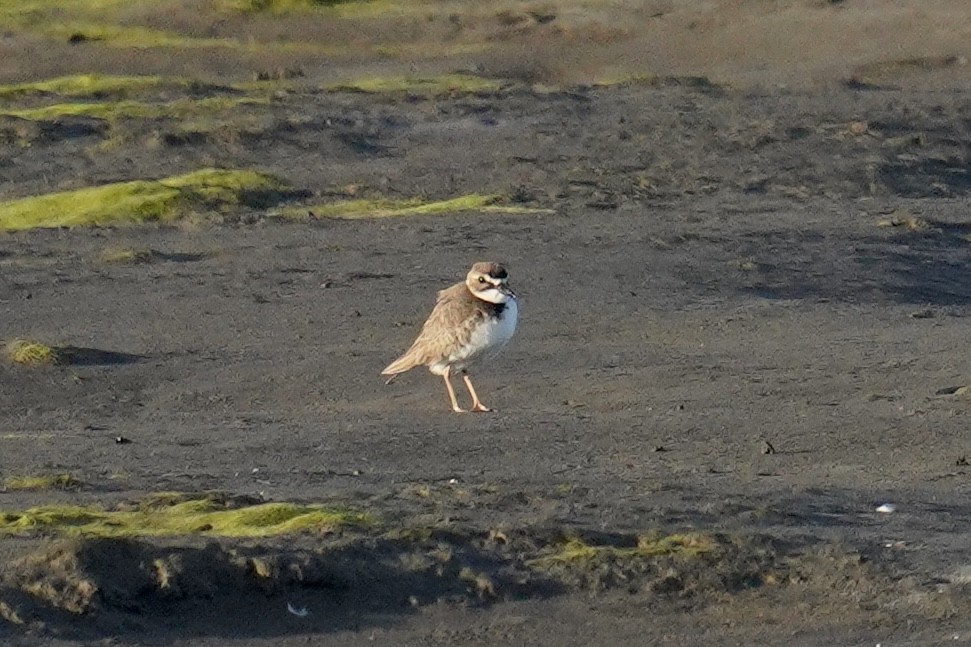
(470, 320)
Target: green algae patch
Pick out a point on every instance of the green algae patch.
(184, 26)
(135, 109)
(41, 482)
(85, 85)
(121, 86)
(31, 353)
(432, 86)
(624, 80)
(126, 255)
(575, 550)
(129, 36)
(144, 38)
(112, 97)
(284, 6)
(208, 516)
(107, 110)
(384, 208)
(387, 208)
(340, 9)
(170, 199)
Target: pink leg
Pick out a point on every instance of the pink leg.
(476, 404)
(451, 393)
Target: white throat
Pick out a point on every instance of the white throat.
(494, 295)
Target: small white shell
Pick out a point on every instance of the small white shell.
(300, 612)
(886, 508)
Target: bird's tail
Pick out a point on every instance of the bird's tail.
(404, 363)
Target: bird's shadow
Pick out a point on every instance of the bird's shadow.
(82, 356)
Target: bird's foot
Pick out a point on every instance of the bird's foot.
(478, 406)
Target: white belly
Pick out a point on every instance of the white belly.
(487, 340)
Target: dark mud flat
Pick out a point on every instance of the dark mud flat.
(723, 269)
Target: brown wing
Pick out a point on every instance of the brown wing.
(448, 327)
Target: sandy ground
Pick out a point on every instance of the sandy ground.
(724, 266)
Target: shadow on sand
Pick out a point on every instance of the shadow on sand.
(931, 266)
(80, 356)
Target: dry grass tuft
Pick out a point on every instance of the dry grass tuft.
(906, 221)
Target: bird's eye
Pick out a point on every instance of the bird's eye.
(481, 279)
